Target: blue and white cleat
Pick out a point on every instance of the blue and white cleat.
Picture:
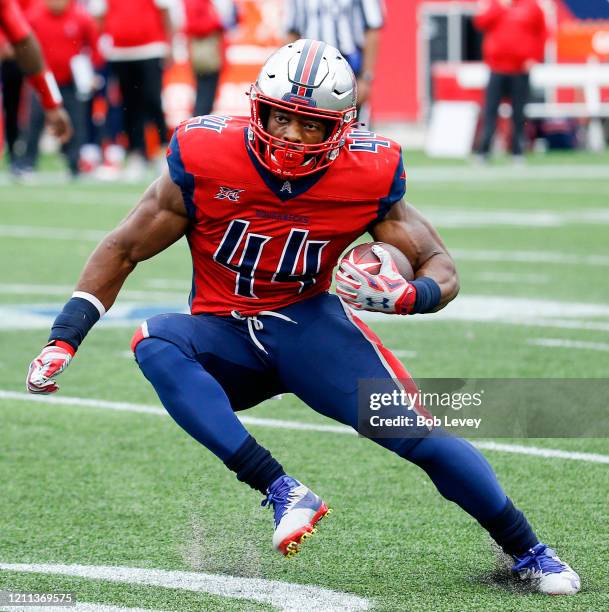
(297, 509)
(542, 567)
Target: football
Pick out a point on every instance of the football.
(364, 257)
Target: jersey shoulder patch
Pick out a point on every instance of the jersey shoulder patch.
(212, 123)
(363, 140)
(196, 145)
(202, 137)
(375, 160)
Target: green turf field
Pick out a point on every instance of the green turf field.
(85, 485)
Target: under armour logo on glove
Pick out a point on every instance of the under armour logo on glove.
(384, 303)
(388, 291)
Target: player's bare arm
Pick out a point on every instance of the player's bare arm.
(407, 229)
(157, 221)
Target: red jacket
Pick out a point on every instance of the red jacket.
(63, 36)
(513, 35)
(13, 25)
(201, 18)
(135, 24)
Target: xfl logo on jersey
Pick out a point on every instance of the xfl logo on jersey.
(228, 193)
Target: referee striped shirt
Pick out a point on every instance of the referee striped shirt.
(340, 23)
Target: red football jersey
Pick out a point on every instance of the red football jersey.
(262, 243)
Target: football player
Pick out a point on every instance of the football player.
(268, 204)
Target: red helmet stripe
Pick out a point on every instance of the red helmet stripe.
(309, 61)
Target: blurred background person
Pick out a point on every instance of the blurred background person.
(206, 22)
(137, 39)
(352, 26)
(25, 50)
(12, 82)
(514, 40)
(64, 30)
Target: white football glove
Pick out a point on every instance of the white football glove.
(388, 291)
(51, 362)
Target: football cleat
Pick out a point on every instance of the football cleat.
(297, 509)
(546, 572)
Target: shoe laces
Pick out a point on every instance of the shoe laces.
(278, 496)
(540, 558)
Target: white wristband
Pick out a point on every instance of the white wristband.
(91, 298)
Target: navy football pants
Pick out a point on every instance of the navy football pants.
(319, 352)
(205, 367)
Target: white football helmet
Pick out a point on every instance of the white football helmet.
(309, 78)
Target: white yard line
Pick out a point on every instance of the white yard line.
(50, 233)
(78, 607)
(35, 289)
(281, 595)
(498, 307)
(45, 179)
(75, 197)
(579, 188)
(560, 324)
(513, 277)
(569, 344)
(529, 257)
(168, 283)
(122, 314)
(156, 410)
(416, 174)
(55, 233)
(66, 291)
(441, 217)
(512, 311)
(455, 217)
(282, 424)
(509, 174)
(475, 308)
(549, 453)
